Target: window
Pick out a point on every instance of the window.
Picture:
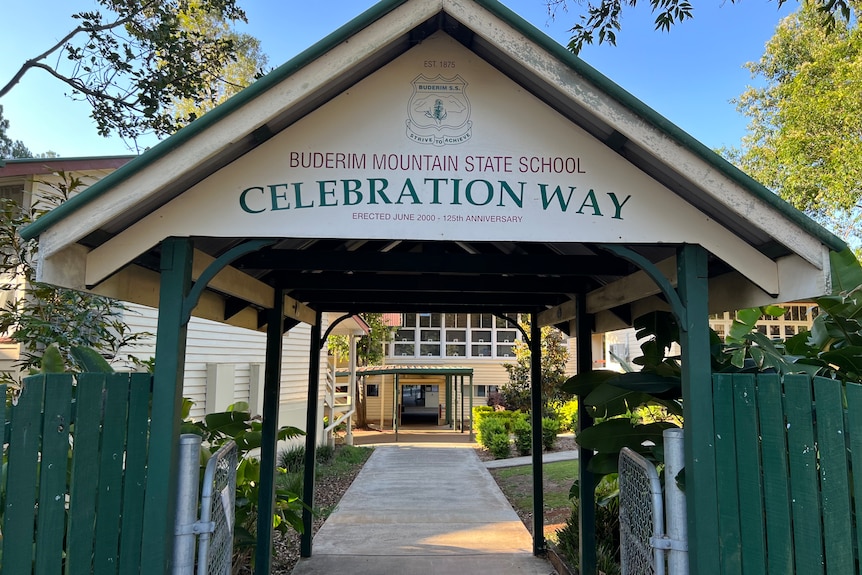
(371, 390)
(454, 335)
(485, 390)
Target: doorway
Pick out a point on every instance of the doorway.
(420, 404)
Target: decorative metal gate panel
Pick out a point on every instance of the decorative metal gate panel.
(641, 516)
(218, 498)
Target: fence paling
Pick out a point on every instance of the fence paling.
(752, 529)
(854, 428)
(52, 484)
(111, 482)
(807, 534)
(833, 475)
(18, 523)
(730, 553)
(84, 482)
(136, 475)
(94, 523)
(796, 441)
(774, 464)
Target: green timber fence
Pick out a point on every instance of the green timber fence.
(789, 460)
(74, 474)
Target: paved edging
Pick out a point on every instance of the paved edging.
(528, 460)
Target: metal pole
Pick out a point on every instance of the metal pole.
(536, 416)
(352, 388)
(188, 478)
(269, 433)
(586, 480)
(450, 421)
(471, 408)
(461, 418)
(395, 411)
(675, 512)
(311, 436)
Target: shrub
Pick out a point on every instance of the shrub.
(490, 427)
(324, 453)
(607, 529)
(292, 458)
(485, 413)
(499, 445)
(567, 415)
(550, 429)
(523, 436)
(479, 414)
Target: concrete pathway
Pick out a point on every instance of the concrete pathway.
(423, 509)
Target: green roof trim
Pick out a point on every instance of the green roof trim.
(638, 107)
(408, 369)
(66, 159)
(365, 19)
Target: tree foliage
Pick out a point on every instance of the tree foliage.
(133, 60)
(248, 64)
(602, 20)
(806, 120)
(516, 392)
(369, 347)
(8, 147)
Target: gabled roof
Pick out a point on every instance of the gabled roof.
(37, 166)
(762, 250)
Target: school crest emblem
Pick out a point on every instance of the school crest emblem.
(438, 112)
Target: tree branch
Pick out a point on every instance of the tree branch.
(34, 62)
(76, 84)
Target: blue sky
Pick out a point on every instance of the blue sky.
(689, 75)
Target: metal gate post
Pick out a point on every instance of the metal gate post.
(188, 469)
(675, 516)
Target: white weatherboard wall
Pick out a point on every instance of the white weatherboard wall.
(210, 343)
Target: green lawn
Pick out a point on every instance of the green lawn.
(517, 484)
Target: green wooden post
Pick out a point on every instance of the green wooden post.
(586, 481)
(159, 505)
(470, 427)
(269, 439)
(701, 498)
(395, 406)
(536, 415)
(450, 421)
(311, 435)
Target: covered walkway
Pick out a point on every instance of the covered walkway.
(424, 508)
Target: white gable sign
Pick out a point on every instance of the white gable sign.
(437, 145)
